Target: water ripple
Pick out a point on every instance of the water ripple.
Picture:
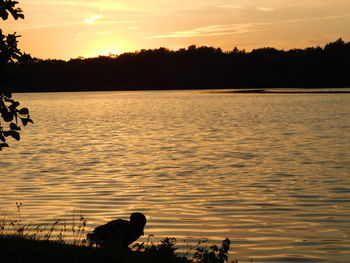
(269, 172)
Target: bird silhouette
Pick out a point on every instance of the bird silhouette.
(118, 232)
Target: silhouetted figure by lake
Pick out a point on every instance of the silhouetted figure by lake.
(118, 232)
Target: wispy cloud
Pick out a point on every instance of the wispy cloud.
(92, 19)
(108, 32)
(101, 5)
(214, 30)
(233, 29)
(230, 6)
(265, 9)
(316, 18)
(133, 27)
(79, 24)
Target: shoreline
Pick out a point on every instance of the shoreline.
(263, 91)
(337, 90)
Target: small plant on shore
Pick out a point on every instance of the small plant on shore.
(213, 254)
(79, 231)
(162, 252)
(203, 254)
(15, 227)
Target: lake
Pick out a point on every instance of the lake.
(269, 171)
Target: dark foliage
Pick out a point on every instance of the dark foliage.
(214, 254)
(8, 7)
(10, 56)
(14, 249)
(163, 252)
(194, 67)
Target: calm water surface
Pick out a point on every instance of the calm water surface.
(269, 171)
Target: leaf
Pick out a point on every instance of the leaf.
(15, 135)
(9, 100)
(7, 116)
(2, 145)
(2, 138)
(7, 133)
(23, 111)
(4, 15)
(24, 121)
(15, 104)
(14, 127)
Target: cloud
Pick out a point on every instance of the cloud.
(100, 5)
(231, 6)
(265, 9)
(233, 29)
(89, 21)
(66, 3)
(317, 18)
(214, 30)
(92, 19)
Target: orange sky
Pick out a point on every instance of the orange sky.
(72, 28)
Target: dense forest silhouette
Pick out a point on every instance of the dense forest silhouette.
(190, 68)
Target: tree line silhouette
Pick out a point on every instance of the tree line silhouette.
(193, 67)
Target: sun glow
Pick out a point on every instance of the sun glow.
(70, 28)
(107, 52)
(107, 45)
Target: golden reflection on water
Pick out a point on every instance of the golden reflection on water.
(268, 171)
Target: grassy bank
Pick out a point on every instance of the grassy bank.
(18, 249)
(23, 243)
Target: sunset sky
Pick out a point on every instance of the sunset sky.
(72, 28)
